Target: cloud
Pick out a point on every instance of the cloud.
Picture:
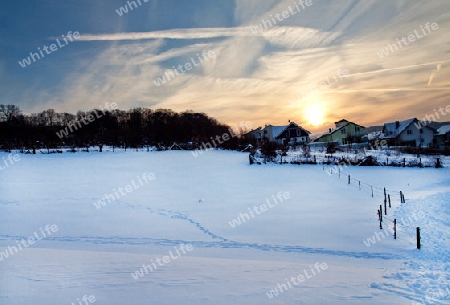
(253, 77)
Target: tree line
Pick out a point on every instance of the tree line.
(135, 128)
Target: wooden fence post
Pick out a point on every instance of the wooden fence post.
(385, 209)
(395, 228)
(372, 190)
(359, 182)
(418, 237)
(389, 199)
(380, 212)
(349, 179)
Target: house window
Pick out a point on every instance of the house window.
(409, 132)
(343, 131)
(357, 129)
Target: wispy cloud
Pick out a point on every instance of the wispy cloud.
(253, 77)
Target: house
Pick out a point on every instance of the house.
(346, 132)
(270, 132)
(293, 134)
(289, 134)
(256, 135)
(442, 137)
(408, 133)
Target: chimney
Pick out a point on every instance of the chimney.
(397, 124)
(329, 130)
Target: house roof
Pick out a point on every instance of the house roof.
(253, 131)
(374, 129)
(391, 130)
(292, 124)
(277, 130)
(444, 130)
(373, 135)
(437, 125)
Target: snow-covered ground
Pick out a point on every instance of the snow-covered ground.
(311, 238)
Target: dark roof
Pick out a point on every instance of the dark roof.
(374, 129)
(437, 125)
(292, 125)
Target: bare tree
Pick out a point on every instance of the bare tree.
(8, 112)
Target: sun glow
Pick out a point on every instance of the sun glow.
(314, 114)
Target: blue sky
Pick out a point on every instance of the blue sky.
(262, 78)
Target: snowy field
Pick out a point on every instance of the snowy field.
(183, 229)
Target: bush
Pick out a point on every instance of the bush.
(269, 149)
(332, 147)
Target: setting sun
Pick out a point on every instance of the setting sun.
(314, 114)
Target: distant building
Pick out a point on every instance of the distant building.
(346, 132)
(289, 134)
(406, 133)
(442, 138)
(256, 135)
(270, 132)
(293, 134)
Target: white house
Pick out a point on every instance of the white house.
(408, 133)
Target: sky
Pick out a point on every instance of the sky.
(313, 63)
